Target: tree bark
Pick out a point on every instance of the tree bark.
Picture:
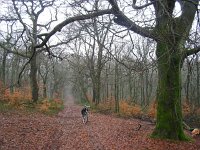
(14, 71)
(130, 85)
(116, 88)
(188, 81)
(198, 92)
(44, 90)
(169, 112)
(33, 79)
(3, 78)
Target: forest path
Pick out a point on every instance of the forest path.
(20, 131)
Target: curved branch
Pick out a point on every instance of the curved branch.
(21, 21)
(59, 27)
(28, 62)
(122, 20)
(61, 43)
(3, 18)
(191, 52)
(143, 6)
(18, 14)
(13, 52)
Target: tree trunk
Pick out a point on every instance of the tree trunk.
(94, 93)
(97, 79)
(33, 79)
(44, 89)
(96, 82)
(198, 92)
(14, 71)
(169, 111)
(147, 87)
(5, 54)
(188, 81)
(98, 88)
(116, 88)
(107, 83)
(143, 103)
(135, 90)
(130, 85)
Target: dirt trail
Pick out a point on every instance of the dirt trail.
(66, 131)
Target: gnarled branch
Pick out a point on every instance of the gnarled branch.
(191, 52)
(143, 6)
(123, 20)
(59, 27)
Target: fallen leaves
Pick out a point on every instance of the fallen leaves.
(66, 131)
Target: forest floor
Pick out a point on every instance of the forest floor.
(35, 131)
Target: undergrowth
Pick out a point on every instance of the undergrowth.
(128, 109)
(21, 100)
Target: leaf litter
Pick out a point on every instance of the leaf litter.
(22, 131)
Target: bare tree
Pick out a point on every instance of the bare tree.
(33, 10)
(94, 35)
(170, 33)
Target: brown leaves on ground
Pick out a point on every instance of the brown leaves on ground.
(19, 131)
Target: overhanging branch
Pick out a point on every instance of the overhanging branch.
(187, 53)
(143, 6)
(59, 27)
(122, 20)
(13, 52)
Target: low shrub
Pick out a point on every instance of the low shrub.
(151, 112)
(17, 98)
(50, 106)
(129, 110)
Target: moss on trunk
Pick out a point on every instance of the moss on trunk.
(169, 111)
